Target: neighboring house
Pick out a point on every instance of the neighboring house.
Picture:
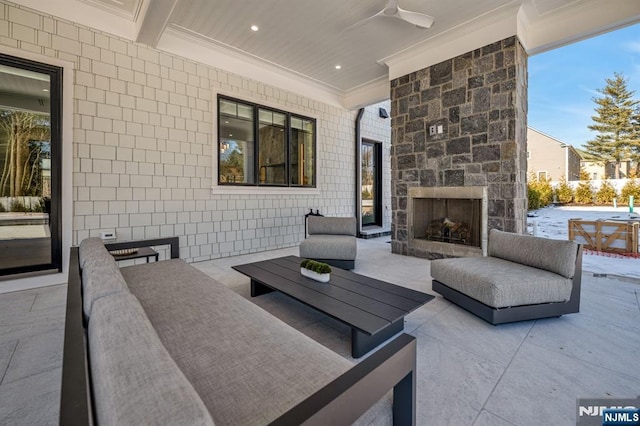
(550, 158)
(599, 170)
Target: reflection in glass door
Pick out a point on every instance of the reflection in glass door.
(371, 204)
(29, 166)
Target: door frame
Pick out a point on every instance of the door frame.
(377, 158)
(52, 277)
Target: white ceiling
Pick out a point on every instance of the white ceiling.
(300, 41)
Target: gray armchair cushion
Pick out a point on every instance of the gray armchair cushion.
(557, 256)
(501, 283)
(100, 275)
(135, 380)
(318, 225)
(338, 247)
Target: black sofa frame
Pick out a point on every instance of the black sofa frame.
(340, 402)
(516, 313)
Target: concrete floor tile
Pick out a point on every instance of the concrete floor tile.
(15, 327)
(464, 330)
(620, 308)
(6, 353)
(17, 302)
(330, 337)
(581, 337)
(452, 380)
(486, 418)
(425, 313)
(540, 387)
(50, 297)
(36, 354)
(34, 400)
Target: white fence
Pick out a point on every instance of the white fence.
(618, 184)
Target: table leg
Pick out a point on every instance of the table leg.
(258, 289)
(361, 343)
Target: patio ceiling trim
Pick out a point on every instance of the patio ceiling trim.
(154, 21)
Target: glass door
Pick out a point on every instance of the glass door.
(371, 175)
(30, 106)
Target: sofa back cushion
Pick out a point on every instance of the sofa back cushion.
(100, 274)
(135, 380)
(89, 247)
(557, 256)
(331, 225)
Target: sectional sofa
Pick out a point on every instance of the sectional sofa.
(163, 343)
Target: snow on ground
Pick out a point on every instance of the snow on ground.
(553, 222)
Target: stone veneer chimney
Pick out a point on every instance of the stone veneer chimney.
(480, 100)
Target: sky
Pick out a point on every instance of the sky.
(563, 82)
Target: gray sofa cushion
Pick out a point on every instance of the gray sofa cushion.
(89, 247)
(135, 381)
(557, 256)
(100, 275)
(247, 366)
(331, 225)
(339, 247)
(500, 283)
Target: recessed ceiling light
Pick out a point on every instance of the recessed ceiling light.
(45, 90)
(338, 67)
(230, 134)
(226, 122)
(254, 28)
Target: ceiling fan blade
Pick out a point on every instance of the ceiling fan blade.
(364, 21)
(416, 18)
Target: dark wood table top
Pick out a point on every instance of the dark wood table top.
(364, 303)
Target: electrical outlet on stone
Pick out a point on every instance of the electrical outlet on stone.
(432, 130)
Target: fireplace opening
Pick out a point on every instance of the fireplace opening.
(448, 220)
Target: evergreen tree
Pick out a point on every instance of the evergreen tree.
(634, 144)
(613, 123)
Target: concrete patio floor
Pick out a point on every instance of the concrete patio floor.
(469, 372)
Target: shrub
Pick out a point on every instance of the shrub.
(564, 192)
(319, 267)
(606, 193)
(534, 198)
(584, 193)
(540, 193)
(17, 206)
(632, 187)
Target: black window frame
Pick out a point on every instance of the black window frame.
(256, 145)
(55, 216)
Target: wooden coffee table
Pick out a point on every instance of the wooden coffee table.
(374, 309)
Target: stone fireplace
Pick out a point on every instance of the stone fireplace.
(451, 221)
(458, 134)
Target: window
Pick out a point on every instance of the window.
(30, 166)
(542, 176)
(258, 145)
(528, 155)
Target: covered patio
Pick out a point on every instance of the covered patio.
(469, 372)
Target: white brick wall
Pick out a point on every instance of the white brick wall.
(144, 144)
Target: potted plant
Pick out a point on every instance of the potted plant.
(318, 271)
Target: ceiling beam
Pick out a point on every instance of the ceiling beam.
(155, 19)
